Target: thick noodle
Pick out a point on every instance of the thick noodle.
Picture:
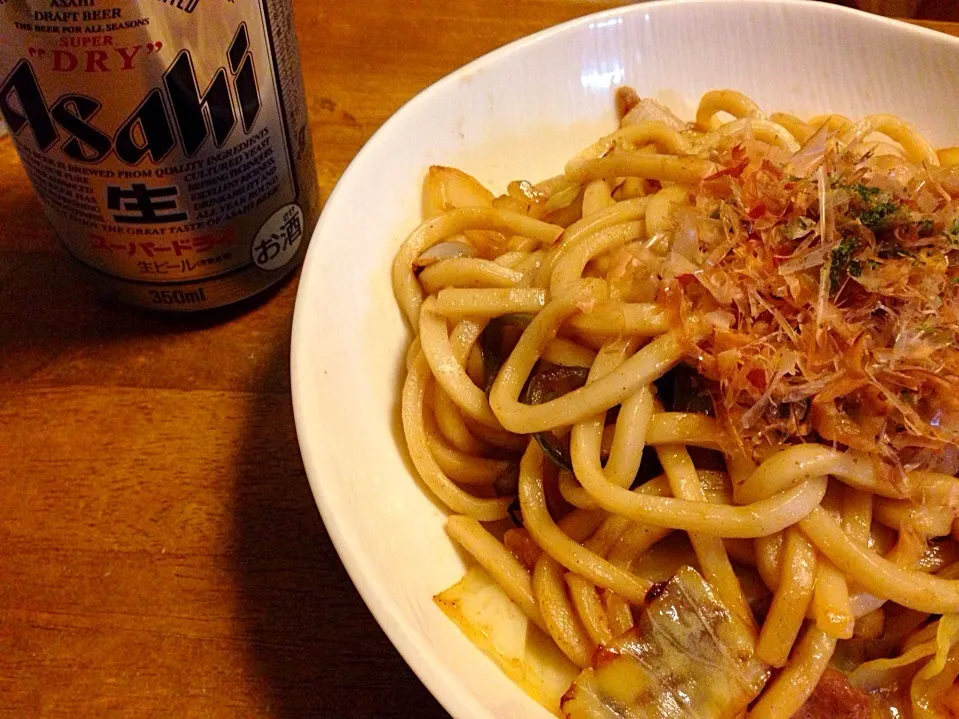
(542, 386)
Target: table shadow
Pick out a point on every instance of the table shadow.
(313, 648)
(311, 639)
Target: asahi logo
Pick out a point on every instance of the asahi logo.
(175, 112)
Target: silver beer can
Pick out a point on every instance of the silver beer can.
(168, 140)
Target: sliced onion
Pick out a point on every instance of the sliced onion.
(525, 192)
(563, 198)
(447, 188)
(650, 109)
(444, 251)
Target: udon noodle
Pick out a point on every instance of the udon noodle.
(725, 350)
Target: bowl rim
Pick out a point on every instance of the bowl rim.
(439, 680)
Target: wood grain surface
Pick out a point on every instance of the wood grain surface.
(160, 552)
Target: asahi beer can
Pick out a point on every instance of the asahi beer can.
(168, 140)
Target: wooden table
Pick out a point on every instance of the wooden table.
(160, 552)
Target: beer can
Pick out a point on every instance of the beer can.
(168, 140)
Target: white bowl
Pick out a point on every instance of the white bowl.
(520, 112)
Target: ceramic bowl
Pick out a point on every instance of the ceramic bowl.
(519, 113)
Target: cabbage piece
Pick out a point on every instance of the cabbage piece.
(497, 626)
(887, 673)
(688, 657)
(928, 669)
(936, 678)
